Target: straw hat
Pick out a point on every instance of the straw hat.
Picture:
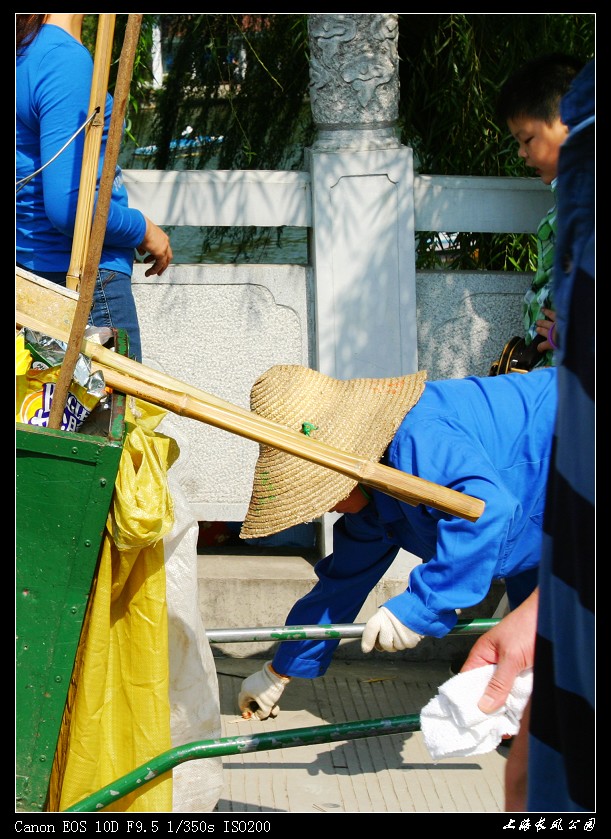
(358, 416)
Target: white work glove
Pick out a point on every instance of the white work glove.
(386, 632)
(260, 693)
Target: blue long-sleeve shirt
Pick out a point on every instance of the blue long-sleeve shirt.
(487, 437)
(53, 89)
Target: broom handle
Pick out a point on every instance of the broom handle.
(131, 377)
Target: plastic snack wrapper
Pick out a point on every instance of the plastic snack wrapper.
(38, 364)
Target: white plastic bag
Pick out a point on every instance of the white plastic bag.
(194, 694)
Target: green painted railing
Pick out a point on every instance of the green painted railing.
(267, 741)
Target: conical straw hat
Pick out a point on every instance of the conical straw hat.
(359, 416)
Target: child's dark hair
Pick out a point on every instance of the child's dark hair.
(535, 90)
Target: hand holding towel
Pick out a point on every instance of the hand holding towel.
(453, 725)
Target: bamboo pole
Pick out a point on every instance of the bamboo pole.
(98, 230)
(91, 151)
(135, 379)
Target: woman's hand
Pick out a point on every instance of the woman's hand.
(156, 244)
(547, 328)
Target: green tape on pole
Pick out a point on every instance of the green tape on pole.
(324, 632)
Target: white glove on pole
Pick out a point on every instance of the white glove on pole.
(260, 693)
(386, 632)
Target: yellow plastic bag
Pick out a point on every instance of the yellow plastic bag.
(118, 714)
(23, 362)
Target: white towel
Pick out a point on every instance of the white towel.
(453, 725)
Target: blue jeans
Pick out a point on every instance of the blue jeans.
(113, 304)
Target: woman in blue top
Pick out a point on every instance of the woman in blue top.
(54, 71)
(487, 437)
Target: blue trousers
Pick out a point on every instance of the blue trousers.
(113, 304)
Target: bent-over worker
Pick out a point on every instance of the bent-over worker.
(488, 437)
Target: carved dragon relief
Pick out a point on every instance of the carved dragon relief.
(353, 66)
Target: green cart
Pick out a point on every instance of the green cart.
(64, 487)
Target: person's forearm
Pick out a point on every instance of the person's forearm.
(126, 226)
(516, 768)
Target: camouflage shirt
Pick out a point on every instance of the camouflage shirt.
(539, 295)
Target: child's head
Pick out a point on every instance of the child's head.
(529, 102)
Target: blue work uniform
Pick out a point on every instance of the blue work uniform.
(487, 437)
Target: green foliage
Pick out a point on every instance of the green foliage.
(140, 89)
(241, 77)
(451, 68)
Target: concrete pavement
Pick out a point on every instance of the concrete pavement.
(391, 773)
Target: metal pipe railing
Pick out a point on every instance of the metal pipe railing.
(325, 632)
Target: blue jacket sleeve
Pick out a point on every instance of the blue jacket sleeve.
(467, 556)
(62, 100)
(361, 555)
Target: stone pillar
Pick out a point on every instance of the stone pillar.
(362, 202)
(354, 85)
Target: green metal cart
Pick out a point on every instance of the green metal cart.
(64, 487)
